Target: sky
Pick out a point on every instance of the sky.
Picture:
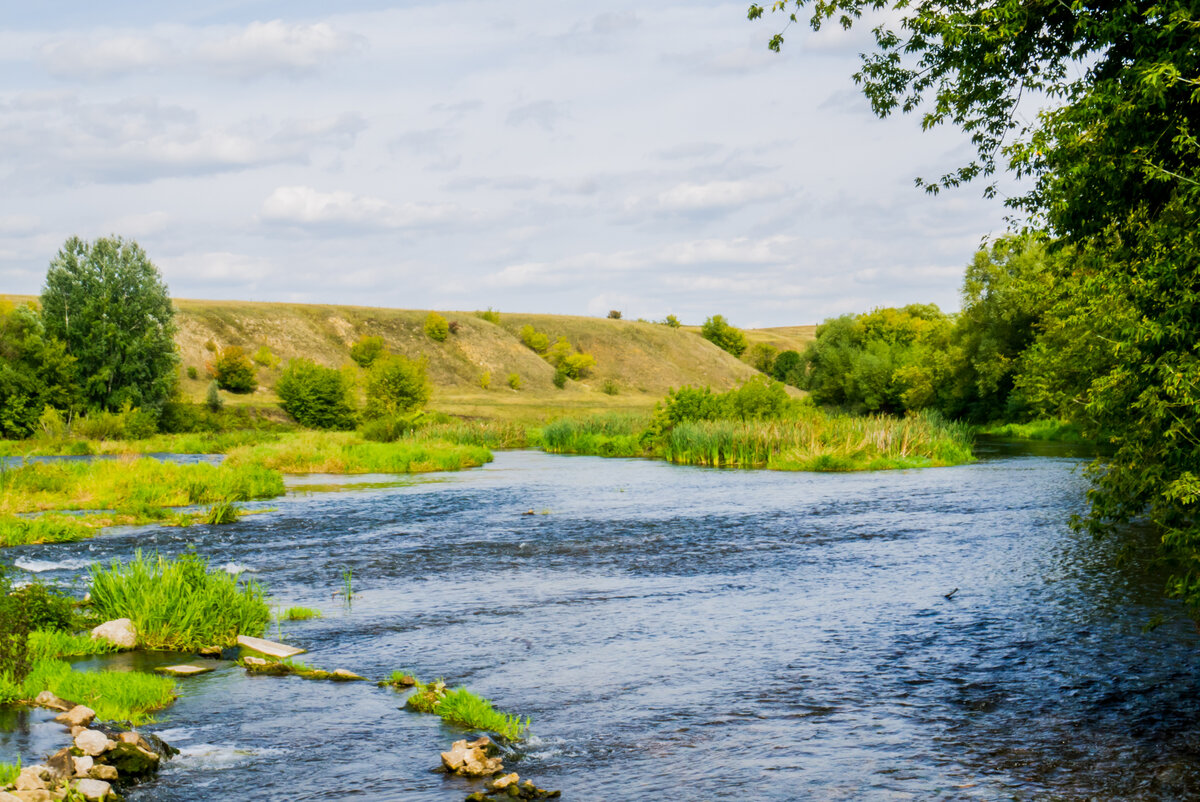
(529, 156)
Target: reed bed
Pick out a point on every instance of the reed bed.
(1044, 429)
(607, 435)
(130, 485)
(346, 452)
(179, 604)
(489, 434)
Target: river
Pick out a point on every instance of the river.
(691, 634)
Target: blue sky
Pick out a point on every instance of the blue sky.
(530, 156)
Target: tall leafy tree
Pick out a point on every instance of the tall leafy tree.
(35, 371)
(1113, 162)
(107, 302)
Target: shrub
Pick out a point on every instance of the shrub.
(210, 346)
(455, 326)
(577, 366)
(614, 314)
(212, 398)
(560, 378)
(788, 368)
(761, 357)
(718, 331)
(264, 357)
(366, 350)
(234, 371)
(315, 396)
(758, 398)
(485, 379)
(671, 321)
(100, 425)
(192, 373)
(388, 428)
(534, 340)
(436, 327)
(179, 604)
(514, 381)
(490, 315)
(610, 387)
(396, 384)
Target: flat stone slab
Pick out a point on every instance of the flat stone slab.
(269, 648)
(183, 670)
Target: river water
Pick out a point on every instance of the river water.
(692, 634)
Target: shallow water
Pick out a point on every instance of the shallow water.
(686, 633)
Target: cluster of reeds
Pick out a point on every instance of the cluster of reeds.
(345, 452)
(9, 772)
(179, 604)
(114, 695)
(606, 435)
(459, 706)
(489, 434)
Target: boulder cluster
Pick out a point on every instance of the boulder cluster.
(481, 758)
(98, 761)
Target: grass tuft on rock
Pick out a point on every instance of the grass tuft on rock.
(460, 706)
(300, 614)
(179, 604)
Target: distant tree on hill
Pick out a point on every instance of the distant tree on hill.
(315, 396)
(107, 302)
(395, 385)
(436, 327)
(718, 331)
(234, 371)
(614, 314)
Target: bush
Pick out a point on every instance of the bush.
(576, 366)
(788, 368)
(534, 340)
(610, 387)
(485, 379)
(514, 381)
(761, 357)
(396, 384)
(671, 321)
(614, 314)
(436, 327)
(192, 373)
(264, 357)
(560, 378)
(366, 350)
(234, 371)
(455, 326)
(718, 331)
(388, 428)
(316, 396)
(212, 398)
(490, 315)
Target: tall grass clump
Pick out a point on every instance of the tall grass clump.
(49, 528)
(179, 604)
(9, 772)
(300, 614)
(460, 706)
(338, 452)
(223, 512)
(1044, 429)
(607, 435)
(114, 695)
(487, 434)
(48, 644)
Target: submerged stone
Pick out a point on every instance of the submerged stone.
(132, 761)
(93, 790)
(279, 651)
(471, 759)
(49, 700)
(184, 670)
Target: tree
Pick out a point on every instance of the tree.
(108, 304)
(762, 357)
(316, 396)
(234, 371)
(717, 331)
(366, 350)
(1114, 173)
(436, 327)
(396, 385)
(35, 371)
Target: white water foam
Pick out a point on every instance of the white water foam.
(39, 566)
(214, 757)
(238, 568)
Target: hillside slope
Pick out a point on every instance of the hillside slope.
(636, 362)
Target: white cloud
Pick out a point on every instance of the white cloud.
(546, 114)
(277, 46)
(308, 207)
(707, 197)
(740, 250)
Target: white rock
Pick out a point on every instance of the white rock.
(30, 779)
(271, 649)
(83, 765)
(103, 772)
(92, 742)
(5, 796)
(77, 716)
(119, 631)
(93, 790)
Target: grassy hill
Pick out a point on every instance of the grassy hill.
(636, 362)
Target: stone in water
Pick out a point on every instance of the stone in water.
(269, 648)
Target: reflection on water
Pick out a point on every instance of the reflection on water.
(697, 634)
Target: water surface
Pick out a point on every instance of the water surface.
(688, 633)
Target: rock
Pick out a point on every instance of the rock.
(478, 796)
(471, 759)
(271, 649)
(5, 796)
(103, 772)
(210, 651)
(76, 730)
(119, 631)
(346, 676)
(251, 660)
(183, 670)
(92, 742)
(500, 783)
(47, 699)
(30, 779)
(83, 765)
(61, 765)
(39, 795)
(93, 790)
(131, 760)
(77, 716)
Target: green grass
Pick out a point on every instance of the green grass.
(49, 644)
(460, 706)
(223, 512)
(400, 679)
(811, 440)
(130, 486)
(49, 528)
(300, 614)
(346, 452)
(179, 604)
(292, 668)
(9, 772)
(1044, 429)
(114, 695)
(488, 434)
